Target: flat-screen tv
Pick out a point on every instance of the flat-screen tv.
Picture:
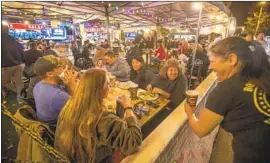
(130, 35)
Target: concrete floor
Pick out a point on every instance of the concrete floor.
(9, 137)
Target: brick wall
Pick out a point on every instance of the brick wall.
(186, 147)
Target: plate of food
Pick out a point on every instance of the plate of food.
(144, 95)
(126, 85)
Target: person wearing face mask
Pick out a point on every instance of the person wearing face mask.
(49, 96)
(170, 83)
(59, 50)
(132, 52)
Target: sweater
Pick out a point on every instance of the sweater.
(177, 88)
(142, 78)
(120, 69)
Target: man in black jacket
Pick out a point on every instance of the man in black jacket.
(12, 59)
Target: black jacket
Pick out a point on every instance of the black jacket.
(50, 52)
(31, 56)
(12, 53)
(142, 78)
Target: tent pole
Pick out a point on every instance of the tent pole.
(196, 43)
(107, 24)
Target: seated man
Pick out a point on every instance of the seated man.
(49, 96)
(117, 66)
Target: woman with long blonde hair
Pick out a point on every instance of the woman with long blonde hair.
(86, 132)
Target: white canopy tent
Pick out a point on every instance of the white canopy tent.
(127, 14)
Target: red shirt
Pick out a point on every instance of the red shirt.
(161, 53)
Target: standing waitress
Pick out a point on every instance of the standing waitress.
(240, 103)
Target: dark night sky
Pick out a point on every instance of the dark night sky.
(240, 10)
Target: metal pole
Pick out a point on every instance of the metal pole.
(258, 23)
(107, 24)
(196, 42)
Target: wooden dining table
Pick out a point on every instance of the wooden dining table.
(114, 92)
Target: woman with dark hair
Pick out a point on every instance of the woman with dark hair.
(240, 101)
(139, 73)
(170, 83)
(87, 132)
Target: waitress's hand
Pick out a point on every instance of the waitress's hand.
(188, 109)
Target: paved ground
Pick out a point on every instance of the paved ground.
(9, 137)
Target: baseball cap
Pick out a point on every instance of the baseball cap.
(46, 64)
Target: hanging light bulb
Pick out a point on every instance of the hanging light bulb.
(25, 13)
(109, 4)
(26, 22)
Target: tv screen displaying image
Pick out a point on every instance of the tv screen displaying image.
(130, 35)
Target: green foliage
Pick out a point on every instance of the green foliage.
(164, 32)
(252, 19)
(122, 35)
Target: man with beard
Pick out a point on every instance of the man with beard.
(49, 96)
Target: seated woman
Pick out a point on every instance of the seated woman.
(139, 74)
(86, 132)
(170, 83)
(160, 53)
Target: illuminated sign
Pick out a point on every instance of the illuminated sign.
(130, 35)
(27, 26)
(44, 33)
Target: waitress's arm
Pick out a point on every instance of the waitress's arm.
(206, 123)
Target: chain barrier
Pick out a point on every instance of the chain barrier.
(8, 159)
(50, 150)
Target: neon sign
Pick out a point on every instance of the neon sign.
(44, 33)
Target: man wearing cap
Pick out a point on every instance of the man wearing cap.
(49, 96)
